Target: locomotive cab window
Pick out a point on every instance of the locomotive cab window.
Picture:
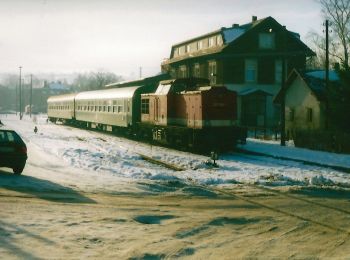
(145, 106)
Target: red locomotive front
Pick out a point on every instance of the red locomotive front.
(188, 113)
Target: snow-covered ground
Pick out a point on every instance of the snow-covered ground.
(108, 159)
(273, 148)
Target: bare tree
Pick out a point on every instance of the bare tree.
(338, 13)
(103, 78)
(94, 80)
(317, 43)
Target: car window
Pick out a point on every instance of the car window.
(8, 136)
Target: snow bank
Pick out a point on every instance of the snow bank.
(107, 159)
(274, 149)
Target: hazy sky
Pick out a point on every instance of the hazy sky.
(122, 35)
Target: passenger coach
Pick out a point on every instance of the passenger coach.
(109, 109)
(61, 108)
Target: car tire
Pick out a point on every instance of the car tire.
(18, 170)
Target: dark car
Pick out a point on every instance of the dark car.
(13, 151)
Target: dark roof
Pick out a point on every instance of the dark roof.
(230, 36)
(250, 91)
(312, 80)
(234, 29)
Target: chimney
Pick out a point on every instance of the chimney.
(235, 25)
(254, 18)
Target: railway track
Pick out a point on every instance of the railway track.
(263, 205)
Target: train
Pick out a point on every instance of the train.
(187, 113)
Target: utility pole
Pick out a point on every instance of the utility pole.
(20, 92)
(327, 75)
(31, 96)
(16, 98)
(283, 101)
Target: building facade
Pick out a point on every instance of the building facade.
(246, 58)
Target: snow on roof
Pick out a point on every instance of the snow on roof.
(231, 34)
(163, 89)
(321, 74)
(127, 92)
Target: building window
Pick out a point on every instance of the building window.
(250, 70)
(188, 48)
(196, 70)
(173, 72)
(278, 71)
(291, 114)
(267, 41)
(212, 72)
(219, 40)
(145, 106)
(212, 41)
(199, 45)
(183, 71)
(309, 114)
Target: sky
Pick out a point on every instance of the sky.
(120, 36)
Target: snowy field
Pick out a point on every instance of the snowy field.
(105, 159)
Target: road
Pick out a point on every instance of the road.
(155, 220)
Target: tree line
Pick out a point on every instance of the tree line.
(79, 82)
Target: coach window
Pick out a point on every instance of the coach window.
(145, 106)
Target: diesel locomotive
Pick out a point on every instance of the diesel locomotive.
(188, 114)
